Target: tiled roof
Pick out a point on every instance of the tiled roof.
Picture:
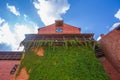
(9, 55)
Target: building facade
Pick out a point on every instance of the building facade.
(59, 27)
(110, 44)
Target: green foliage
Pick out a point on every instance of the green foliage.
(64, 63)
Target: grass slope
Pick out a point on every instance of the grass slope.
(64, 63)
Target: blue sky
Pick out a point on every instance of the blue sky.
(19, 17)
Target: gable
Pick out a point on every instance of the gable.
(65, 29)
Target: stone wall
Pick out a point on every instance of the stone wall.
(110, 44)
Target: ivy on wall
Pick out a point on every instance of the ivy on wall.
(72, 60)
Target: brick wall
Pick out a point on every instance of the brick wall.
(51, 29)
(110, 44)
(5, 68)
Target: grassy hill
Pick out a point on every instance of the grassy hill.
(64, 63)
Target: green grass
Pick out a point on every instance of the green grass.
(64, 63)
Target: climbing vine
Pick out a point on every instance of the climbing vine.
(73, 60)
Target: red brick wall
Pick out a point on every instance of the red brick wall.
(110, 44)
(51, 29)
(5, 68)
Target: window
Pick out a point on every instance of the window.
(59, 29)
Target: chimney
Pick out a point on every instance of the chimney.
(59, 23)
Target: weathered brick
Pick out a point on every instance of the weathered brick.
(110, 44)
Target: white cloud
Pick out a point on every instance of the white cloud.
(21, 29)
(13, 38)
(6, 36)
(13, 10)
(114, 26)
(117, 15)
(51, 10)
(1, 21)
(98, 38)
(25, 16)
